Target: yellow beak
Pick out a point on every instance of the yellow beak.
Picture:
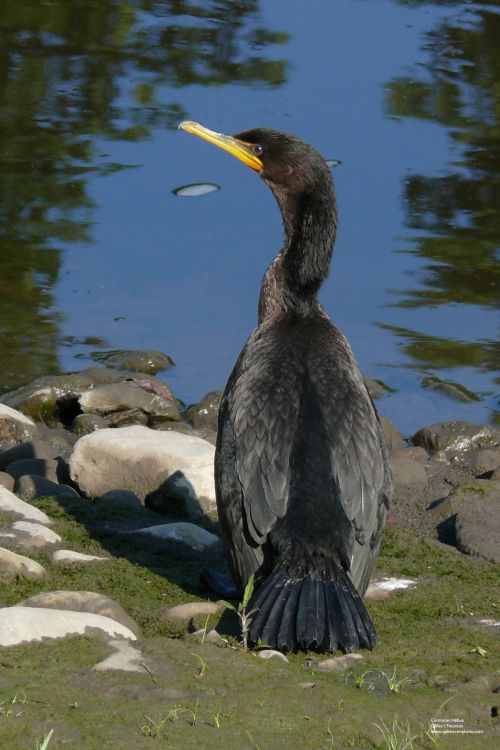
(240, 149)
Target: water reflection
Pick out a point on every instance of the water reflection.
(455, 215)
(73, 72)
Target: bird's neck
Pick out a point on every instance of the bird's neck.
(293, 279)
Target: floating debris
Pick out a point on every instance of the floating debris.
(196, 189)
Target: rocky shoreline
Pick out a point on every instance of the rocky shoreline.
(119, 441)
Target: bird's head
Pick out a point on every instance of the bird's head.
(285, 162)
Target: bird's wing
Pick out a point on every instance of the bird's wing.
(260, 407)
(357, 447)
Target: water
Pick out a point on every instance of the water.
(98, 252)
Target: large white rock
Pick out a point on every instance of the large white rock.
(69, 557)
(7, 412)
(28, 624)
(13, 564)
(139, 459)
(12, 504)
(38, 533)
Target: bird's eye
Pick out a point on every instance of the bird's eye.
(257, 150)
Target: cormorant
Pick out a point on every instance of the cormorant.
(301, 468)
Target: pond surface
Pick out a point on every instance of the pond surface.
(119, 232)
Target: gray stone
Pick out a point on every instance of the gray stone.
(28, 625)
(83, 424)
(13, 564)
(9, 503)
(59, 441)
(39, 466)
(461, 497)
(483, 461)
(338, 663)
(477, 524)
(15, 426)
(140, 360)
(407, 473)
(31, 535)
(183, 613)
(270, 653)
(129, 395)
(140, 460)
(209, 635)
(7, 481)
(393, 437)
(126, 417)
(384, 587)
(188, 533)
(83, 601)
(457, 436)
(31, 449)
(69, 557)
(205, 412)
(126, 659)
(119, 499)
(30, 487)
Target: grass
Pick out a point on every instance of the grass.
(427, 645)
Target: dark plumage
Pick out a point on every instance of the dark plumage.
(301, 466)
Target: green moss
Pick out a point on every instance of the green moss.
(425, 635)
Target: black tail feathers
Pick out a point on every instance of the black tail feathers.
(321, 612)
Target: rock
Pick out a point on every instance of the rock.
(126, 417)
(385, 586)
(32, 535)
(412, 451)
(83, 424)
(83, 601)
(482, 461)
(209, 635)
(39, 466)
(477, 523)
(31, 449)
(13, 564)
(69, 557)
(140, 460)
(9, 503)
(129, 395)
(460, 497)
(62, 386)
(393, 437)
(177, 488)
(183, 613)
(30, 487)
(270, 653)
(457, 436)
(496, 475)
(188, 533)
(140, 361)
(406, 472)
(7, 481)
(119, 499)
(338, 663)
(126, 659)
(205, 413)
(14, 425)
(28, 625)
(59, 441)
